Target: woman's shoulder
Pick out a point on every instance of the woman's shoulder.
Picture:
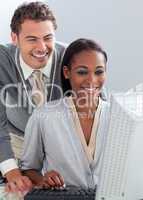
(53, 111)
(52, 106)
(105, 104)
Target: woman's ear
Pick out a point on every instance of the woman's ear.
(66, 72)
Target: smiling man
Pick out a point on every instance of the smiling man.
(28, 68)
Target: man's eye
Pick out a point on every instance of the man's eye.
(99, 72)
(31, 40)
(49, 38)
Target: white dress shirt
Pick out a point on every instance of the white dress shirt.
(27, 70)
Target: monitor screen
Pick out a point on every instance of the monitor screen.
(121, 176)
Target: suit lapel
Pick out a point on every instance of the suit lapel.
(24, 87)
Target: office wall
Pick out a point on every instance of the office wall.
(7, 8)
(117, 25)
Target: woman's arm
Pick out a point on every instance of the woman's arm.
(50, 179)
(35, 176)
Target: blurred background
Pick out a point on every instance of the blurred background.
(116, 25)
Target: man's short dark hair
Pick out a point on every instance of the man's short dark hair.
(37, 11)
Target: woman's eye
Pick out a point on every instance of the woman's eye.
(82, 72)
(99, 72)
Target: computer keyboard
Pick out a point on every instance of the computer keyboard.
(68, 193)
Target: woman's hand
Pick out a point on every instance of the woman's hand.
(53, 179)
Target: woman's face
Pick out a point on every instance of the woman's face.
(87, 74)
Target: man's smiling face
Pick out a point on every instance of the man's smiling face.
(36, 41)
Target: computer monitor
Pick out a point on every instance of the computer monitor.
(121, 176)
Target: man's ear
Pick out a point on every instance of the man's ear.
(66, 72)
(14, 38)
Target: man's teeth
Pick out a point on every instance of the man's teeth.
(40, 55)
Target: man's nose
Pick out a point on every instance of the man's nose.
(41, 46)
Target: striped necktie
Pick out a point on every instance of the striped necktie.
(38, 89)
